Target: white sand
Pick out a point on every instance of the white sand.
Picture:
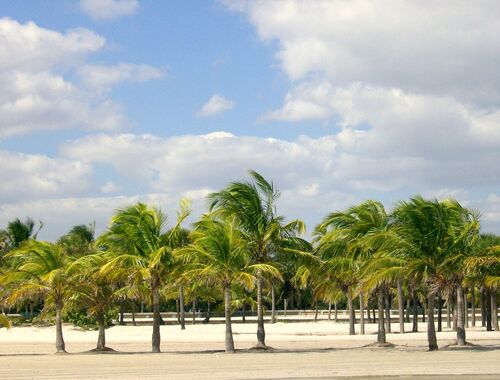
(303, 350)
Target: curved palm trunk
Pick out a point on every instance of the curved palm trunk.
(155, 340)
(401, 305)
(60, 345)
(431, 328)
(381, 326)
(273, 305)
(361, 314)
(229, 343)
(352, 319)
(415, 311)
(460, 316)
(181, 307)
(261, 332)
(101, 339)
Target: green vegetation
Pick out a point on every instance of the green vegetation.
(243, 255)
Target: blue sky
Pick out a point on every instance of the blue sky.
(114, 101)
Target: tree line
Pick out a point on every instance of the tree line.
(424, 254)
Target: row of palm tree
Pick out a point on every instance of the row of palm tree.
(242, 246)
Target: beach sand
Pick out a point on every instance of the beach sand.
(300, 350)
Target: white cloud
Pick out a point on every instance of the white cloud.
(216, 105)
(103, 77)
(109, 9)
(37, 94)
(23, 176)
(110, 187)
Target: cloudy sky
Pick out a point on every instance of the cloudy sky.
(109, 102)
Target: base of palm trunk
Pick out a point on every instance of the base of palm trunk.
(260, 347)
(102, 349)
(380, 345)
(433, 348)
(62, 352)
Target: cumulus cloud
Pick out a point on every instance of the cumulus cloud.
(104, 77)
(216, 105)
(23, 176)
(109, 9)
(35, 64)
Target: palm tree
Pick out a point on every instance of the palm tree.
(253, 206)
(430, 230)
(137, 244)
(93, 290)
(18, 232)
(220, 254)
(79, 241)
(348, 241)
(39, 269)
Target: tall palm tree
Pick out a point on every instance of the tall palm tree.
(253, 204)
(39, 269)
(220, 254)
(137, 244)
(79, 241)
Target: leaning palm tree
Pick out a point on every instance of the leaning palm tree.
(252, 204)
(39, 269)
(138, 245)
(220, 254)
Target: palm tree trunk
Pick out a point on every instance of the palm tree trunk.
(229, 343)
(466, 310)
(155, 340)
(473, 307)
(494, 311)
(361, 313)
(194, 311)
(181, 307)
(243, 312)
(352, 319)
(431, 329)
(448, 311)
(487, 301)
(415, 311)
(482, 305)
(60, 345)
(101, 339)
(261, 333)
(133, 314)
(440, 313)
(387, 310)
(177, 310)
(455, 313)
(316, 311)
(285, 304)
(408, 309)
(329, 310)
(273, 305)
(122, 310)
(381, 327)
(401, 305)
(460, 316)
(336, 312)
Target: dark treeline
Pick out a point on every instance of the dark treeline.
(425, 258)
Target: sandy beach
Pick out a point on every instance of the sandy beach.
(300, 350)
